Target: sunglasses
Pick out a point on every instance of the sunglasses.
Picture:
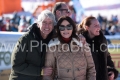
(68, 11)
(68, 27)
(109, 74)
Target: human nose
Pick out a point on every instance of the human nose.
(48, 24)
(65, 29)
(68, 13)
(98, 27)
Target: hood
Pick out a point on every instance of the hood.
(56, 41)
(31, 26)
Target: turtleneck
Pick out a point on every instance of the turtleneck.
(66, 40)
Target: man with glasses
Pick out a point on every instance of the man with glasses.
(60, 9)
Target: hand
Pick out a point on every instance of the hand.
(111, 75)
(82, 39)
(47, 71)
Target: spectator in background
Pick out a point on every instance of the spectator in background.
(4, 20)
(23, 27)
(73, 14)
(105, 31)
(13, 26)
(112, 28)
(22, 20)
(60, 9)
(32, 20)
(90, 29)
(23, 24)
(115, 19)
(100, 18)
(16, 18)
(2, 26)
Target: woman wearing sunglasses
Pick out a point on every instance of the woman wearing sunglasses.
(70, 59)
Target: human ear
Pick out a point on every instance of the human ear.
(58, 13)
(86, 27)
(38, 24)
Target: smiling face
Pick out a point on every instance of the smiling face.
(46, 26)
(67, 32)
(94, 28)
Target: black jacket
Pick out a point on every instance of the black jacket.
(28, 56)
(100, 54)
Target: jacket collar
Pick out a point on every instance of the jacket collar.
(35, 31)
(56, 41)
(100, 39)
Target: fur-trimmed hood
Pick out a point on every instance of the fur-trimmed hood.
(56, 41)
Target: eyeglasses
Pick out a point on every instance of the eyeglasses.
(68, 27)
(68, 11)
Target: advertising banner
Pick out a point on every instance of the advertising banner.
(9, 39)
(7, 43)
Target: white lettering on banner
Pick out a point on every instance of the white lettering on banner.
(7, 43)
(9, 39)
(5, 57)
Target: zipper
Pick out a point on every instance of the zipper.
(72, 63)
(72, 66)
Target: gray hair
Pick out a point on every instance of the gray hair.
(44, 14)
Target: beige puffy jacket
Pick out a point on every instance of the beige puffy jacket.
(69, 63)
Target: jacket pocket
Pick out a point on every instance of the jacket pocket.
(79, 72)
(65, 73)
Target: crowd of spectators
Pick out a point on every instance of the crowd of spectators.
(109, 27)
(19, 23)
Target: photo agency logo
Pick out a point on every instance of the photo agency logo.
(103, 47)
(74, 47)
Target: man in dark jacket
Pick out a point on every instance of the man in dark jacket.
(28, 56)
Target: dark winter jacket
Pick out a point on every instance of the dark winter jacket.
(28, 56)
(100, 54)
